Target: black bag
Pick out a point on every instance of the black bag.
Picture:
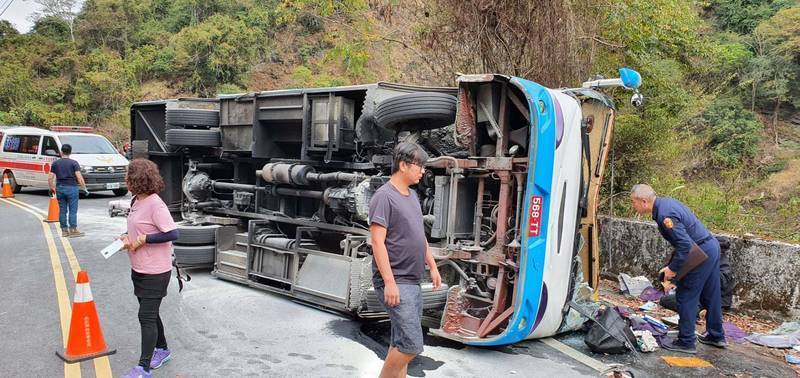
(611, 334)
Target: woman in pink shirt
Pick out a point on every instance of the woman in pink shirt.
(151, 231)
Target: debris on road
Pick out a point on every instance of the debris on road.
(785, 336)
(610, 292)
(649, 306)
(672, 321)
(645, 341)
(633, 286)
(651, 294)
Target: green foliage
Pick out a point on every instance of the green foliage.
(35, 113)
(230, 89)
(352, 57)
(151, 62)
(733, 132)
(303, 77)
(52, 28)
(218, 50)
(105, 84)
(7, 29)
(660, 39)
(15, 84)
(780, 58)
(743, 16)
(653, 28)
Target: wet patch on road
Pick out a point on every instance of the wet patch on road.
(344, 367)
(306, 357)
(270, 359)
(375, 336)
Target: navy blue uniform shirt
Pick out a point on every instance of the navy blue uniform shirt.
(65, 169)
(680, 227)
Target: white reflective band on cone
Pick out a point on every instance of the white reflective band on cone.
(83, 293)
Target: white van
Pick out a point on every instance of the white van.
(26, 154)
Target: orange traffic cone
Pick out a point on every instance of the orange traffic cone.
(52, 211)
(7, 193)
(85, 335)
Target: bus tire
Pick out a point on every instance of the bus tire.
(194, 137)
(192, 118)
(416, 111)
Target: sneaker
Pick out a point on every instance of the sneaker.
(74, 233)
(677, 346)
(65, 233)
(160, 356)
(716, 343)
(137, 372)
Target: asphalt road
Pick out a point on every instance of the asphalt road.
(213, 327)
(217, 328)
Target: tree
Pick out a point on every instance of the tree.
(63, 9)
(216, 51)
(733, 132)
(7, 30)
(776, 66)
(742, 16)
(509, 36)
(53, 28)
(105, 85)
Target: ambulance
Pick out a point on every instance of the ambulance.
(27, 153)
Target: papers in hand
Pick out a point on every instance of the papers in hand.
(112, 248)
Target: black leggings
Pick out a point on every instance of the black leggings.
(152, 329)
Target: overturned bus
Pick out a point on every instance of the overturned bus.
(273, 188)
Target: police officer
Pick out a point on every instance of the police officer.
(679, 226)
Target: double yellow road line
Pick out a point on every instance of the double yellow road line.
(102, 367)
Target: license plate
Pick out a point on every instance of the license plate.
(113, 185)
(535, 216)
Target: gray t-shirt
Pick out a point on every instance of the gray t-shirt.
(401, 215)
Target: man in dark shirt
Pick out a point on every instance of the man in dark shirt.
(399, 252)
(65, 177)
(701, 284)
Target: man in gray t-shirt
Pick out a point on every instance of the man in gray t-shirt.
(399, 252)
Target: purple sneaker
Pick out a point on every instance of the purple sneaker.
(160, 356)
(137, 372)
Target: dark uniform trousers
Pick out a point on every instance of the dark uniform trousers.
(701, 286)
(681, 228)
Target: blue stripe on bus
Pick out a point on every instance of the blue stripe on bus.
(541, 154)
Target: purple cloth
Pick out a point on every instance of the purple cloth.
(734, 333)
(623, 311)
(651, 294)
(639, 324)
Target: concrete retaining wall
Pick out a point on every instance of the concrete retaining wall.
(767, 272)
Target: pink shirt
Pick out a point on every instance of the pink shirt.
(150, 216)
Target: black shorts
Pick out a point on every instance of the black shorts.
(150, 285)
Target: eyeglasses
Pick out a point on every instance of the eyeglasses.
(421, 166)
